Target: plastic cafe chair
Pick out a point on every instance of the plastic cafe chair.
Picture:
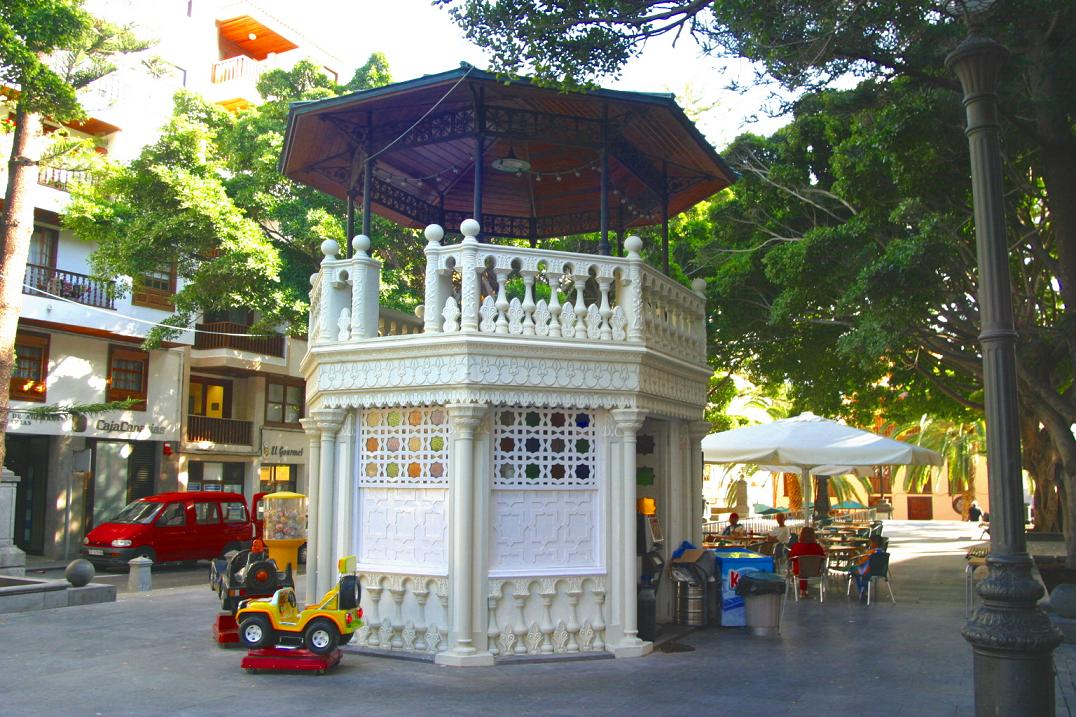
(811, 567)
(879, 571)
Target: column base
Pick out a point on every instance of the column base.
(632, 647)
(12, 561)
(470, 659)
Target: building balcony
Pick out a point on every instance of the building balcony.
(219, 431)
(228, 335)
(52, 283)
(610, 327)
(61, 179)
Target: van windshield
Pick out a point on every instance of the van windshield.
(138, 512)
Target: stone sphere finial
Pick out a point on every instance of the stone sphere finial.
(470, 228)
(434, 233)
(361, 244)
(330, 248)
(633, 245)
(699, 286)
(313, 278)
(79, 572)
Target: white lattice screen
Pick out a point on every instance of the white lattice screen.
(546, 476)
(404, 447)
(542, 447)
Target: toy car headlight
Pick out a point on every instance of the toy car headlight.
(121, 543)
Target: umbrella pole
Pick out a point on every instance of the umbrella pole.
(805, 479)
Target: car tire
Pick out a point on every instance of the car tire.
(349, 592)
(261, 577)
(254, 632)
(321, 636)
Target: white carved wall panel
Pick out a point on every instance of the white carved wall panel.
(405, 527)
(546, 479)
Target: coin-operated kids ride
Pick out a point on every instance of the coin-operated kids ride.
(247, 574)
(284, 528)
(269, 627)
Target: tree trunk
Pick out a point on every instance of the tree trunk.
(1041, 461)
(16, 229)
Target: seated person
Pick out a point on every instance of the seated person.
(806, 545)
(782, 533)
(734, 527)
(861, 566)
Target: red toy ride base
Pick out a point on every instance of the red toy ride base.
(225, 631)
(279, 659)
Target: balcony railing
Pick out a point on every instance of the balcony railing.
(565, 297)
(218, 338)
(219, 430)
(61, 178)
(50, 283)
(235, 68)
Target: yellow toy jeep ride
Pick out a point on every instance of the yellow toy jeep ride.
(318, 628)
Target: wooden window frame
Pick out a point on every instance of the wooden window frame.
(208, 381)
(119, 394)
(153, 298)
(302, 404)
(53, 241)
(39, 388)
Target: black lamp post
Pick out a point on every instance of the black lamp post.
(1012, 640)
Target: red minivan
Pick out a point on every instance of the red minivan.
(191, 525)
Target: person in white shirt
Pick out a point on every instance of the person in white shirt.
(781, 533)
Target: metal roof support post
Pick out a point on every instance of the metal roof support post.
(350, 215)
(479, 138)
(603, 244)
(367, 175)
(665, 217)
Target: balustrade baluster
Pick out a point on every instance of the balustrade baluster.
(579, 282)
(528, 302)
(553, 279)
(604, 282)
(502, 300)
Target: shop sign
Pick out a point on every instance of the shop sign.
(127, 427)
(281, 452)
(283, 446)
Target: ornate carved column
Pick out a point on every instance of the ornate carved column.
(434, 301)
(464, 580)
(1013, 640)
(365, 285)
(320, 502)
(313, 470)
(469, 276)
(697, 430)
(628, 423)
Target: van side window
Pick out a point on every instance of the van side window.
(173, 515)
(206, 513)
(234, 512)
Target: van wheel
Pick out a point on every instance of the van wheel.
(321, 636)
(254, 632)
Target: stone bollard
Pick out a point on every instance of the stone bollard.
(140, 579)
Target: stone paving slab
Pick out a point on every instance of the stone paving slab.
(153, 653)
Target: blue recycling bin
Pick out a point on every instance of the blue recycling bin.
(731, 564)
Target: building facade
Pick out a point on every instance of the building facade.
(215, 408)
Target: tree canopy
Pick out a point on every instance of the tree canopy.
(844, 261)
(207, 198)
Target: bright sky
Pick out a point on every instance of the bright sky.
(420, 39)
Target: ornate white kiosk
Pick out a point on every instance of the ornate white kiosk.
(485, 469)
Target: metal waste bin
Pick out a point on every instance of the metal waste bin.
(689, 596)
(761, 593)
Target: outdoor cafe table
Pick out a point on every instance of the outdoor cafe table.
(841, 554)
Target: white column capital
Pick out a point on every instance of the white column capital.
(465, 417)
(697, 430)
(628, 420)
(325, 420)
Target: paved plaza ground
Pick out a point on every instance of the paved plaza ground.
(152, 654)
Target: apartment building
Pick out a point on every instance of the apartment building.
(216, 408)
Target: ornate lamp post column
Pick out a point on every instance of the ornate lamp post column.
(1012, 639)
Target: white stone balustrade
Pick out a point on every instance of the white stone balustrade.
(546, 615)
(566, 296)
(404, 612)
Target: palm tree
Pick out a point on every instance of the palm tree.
(958, 442)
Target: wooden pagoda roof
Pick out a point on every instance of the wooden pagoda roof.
(423, 135)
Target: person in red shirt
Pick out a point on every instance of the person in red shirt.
(806, 545)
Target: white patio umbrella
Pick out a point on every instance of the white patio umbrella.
(811, 444)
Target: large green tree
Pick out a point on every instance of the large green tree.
(207, 198)
(49, 49)
(835, 217)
